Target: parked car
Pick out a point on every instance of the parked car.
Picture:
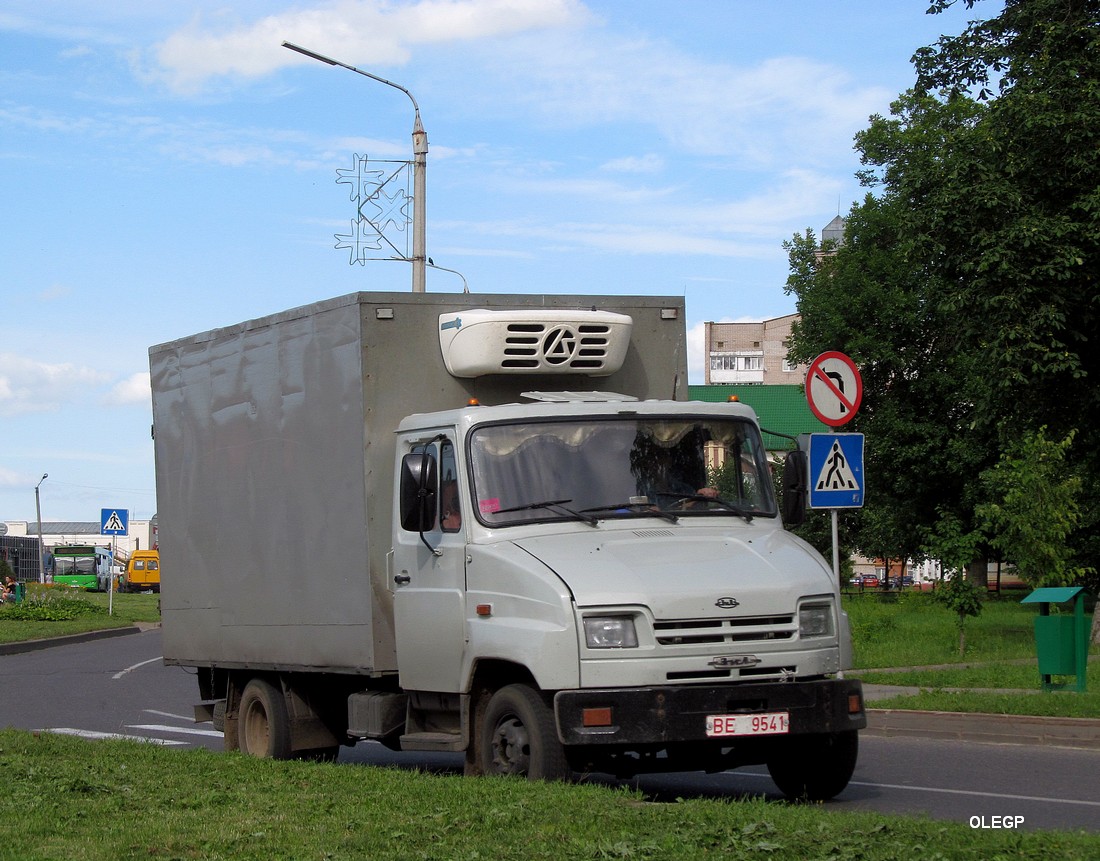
(871, 581)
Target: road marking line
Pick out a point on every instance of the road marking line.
(121, 673)
(100, 736)
(169, 715)
(1004, 795)
(180, 729)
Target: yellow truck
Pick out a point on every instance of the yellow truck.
(142, 571)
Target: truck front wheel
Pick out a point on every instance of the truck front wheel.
(263, 727)
(518, 736)
(815, 767)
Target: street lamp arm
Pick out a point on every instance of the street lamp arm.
(465, 286)
(314, 55)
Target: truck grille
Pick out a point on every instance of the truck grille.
(753, 629)
(546, 345)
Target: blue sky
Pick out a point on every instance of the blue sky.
(168, 168)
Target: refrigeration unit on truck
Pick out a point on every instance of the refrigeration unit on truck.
(490, 524)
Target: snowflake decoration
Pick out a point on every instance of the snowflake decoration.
(362, 239)
(363, 182)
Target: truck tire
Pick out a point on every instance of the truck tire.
(815, 767)
(263, 726)
(518, 736)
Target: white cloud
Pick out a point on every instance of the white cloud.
(30, 386)
(354, 31)
(696, 347)
(133, 390)
(648, 163)
(55, 293)
(780, 110)
(10, 478)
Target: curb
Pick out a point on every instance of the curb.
(34, 645)
(1081, 733)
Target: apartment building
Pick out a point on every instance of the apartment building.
(751, 353)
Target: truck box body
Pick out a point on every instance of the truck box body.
(274, 461)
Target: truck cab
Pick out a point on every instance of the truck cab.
(615, 578)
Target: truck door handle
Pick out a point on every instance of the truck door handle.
(402, 579)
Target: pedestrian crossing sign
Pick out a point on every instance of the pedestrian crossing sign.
(836, 470)
(114, 521)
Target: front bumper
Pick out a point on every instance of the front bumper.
(671, 714)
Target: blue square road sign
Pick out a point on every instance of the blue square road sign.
(114, 521)
(836, 470)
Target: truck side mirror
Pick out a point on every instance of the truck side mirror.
(419, 479)
(795, 470)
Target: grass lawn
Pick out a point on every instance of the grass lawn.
(101, 801)
(89, 611)
(909, 629)
(918, 638)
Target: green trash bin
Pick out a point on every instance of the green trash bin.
(1061, 642)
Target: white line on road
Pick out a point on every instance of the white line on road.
(121, 673)
(183, 730)
(98, 736)
(184, 718)
(1004, 795)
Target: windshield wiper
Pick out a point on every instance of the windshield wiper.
(739, 510)
(552, 504)
(636, 508)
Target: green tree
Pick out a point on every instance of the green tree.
(962, 597)
(965, 288)
(1034, 508)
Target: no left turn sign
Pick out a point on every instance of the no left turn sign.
(834, 388)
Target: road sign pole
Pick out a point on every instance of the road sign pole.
(111, 577)
(836, 546)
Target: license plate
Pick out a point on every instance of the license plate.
(773, 723)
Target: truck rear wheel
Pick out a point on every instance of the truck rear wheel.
(263, 727)
(815, 767)
(518, 736)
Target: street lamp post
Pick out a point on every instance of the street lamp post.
(41, 540)
(420, 165)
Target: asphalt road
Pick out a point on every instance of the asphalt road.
(120, 686)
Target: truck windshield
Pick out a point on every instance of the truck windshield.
(633, 467)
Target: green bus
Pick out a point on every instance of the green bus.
(85, 566)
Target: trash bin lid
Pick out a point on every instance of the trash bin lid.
(1053, 594)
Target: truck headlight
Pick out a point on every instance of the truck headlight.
(610, 632)
(815, 620)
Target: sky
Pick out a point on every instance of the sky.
(169, 168)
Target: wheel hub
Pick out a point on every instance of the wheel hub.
(511, 747)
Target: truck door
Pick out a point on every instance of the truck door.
(429, 579)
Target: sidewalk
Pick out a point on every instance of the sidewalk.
(962, 726)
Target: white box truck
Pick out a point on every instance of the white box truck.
(490, 524)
